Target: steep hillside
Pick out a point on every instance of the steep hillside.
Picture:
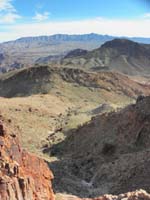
(120, 55)
(26, 177)
(110, 154)
(58, 99)
(22, 176)
(45, 79)
(45, 103)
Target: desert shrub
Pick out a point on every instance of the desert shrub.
(108, 149)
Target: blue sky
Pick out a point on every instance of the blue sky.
(20, 18)
(81, 9)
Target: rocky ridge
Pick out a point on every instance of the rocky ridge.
(41, 79)
(120, 55)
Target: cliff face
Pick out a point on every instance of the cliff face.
(23, 176)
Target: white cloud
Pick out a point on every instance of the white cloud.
(146, 15)
(41, 16)
(6, 5)
(8, 13)
(136, 27)
(9, 18)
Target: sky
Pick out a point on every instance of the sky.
(22, 18)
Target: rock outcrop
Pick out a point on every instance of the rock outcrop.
(23, 176)
(137, 195)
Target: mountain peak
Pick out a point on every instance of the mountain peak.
(119, 42)
(126, 47)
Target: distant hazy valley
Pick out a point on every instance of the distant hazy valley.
(25, 52)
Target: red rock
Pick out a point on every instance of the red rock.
(23, 176)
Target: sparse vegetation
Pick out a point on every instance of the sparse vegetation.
(73, 119)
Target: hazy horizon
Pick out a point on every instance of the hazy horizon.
(112, 17)
(77, 34)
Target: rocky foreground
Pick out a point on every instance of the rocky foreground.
(137, 195)
(22, 176)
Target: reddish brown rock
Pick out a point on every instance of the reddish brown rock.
(23, 176)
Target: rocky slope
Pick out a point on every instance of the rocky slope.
(110, 154)
(120, 55)
(42, 79)
(26, 177)
(137, 195)
(23, 176)
(43, 99)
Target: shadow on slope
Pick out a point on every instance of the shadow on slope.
(110, 154)
(42, 79)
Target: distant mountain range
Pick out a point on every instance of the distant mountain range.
(84, 37)
(65, 38)
(29, 50)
